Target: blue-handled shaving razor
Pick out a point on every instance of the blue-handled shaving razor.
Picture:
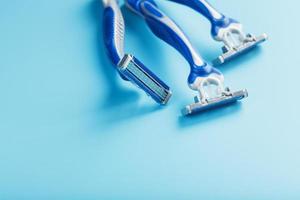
(225, 29)
(129, 67)
(203, 78)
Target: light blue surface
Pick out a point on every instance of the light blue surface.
(70, 129)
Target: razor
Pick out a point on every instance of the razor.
(226, 30)
(129, 67)
(203, 78)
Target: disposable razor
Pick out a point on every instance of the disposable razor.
(203, 78)
(226, 30)
(129, 67)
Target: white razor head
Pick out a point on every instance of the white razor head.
(237, 43)
(236, 46)
(212, 94)
(225, 98)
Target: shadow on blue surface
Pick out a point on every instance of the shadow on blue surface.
(127, 112)
(120, 103)
(209, 115)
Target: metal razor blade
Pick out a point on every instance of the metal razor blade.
(246, 45)
(142, 77)
(225, 99)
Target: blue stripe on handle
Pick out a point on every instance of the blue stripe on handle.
(217, 19)
(136, 4)
(202, 7)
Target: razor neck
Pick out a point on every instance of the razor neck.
(203, 71)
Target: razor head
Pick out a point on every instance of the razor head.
(138, 74)
(225, 98)
(234, 49)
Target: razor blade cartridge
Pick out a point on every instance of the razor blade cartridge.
(142, 77)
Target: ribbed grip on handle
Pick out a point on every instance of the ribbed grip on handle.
(114, 30)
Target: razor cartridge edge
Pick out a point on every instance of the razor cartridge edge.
(231, 53)
(142, 77)
(225, 99)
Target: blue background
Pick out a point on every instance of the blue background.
(71, 129)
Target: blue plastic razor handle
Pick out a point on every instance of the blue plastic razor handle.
(217, 19)
(129, 67)
(167, 30)
(114, 28)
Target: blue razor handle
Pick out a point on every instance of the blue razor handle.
(113, 32)
(167, 30)
(129, 67)
(217, 19)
